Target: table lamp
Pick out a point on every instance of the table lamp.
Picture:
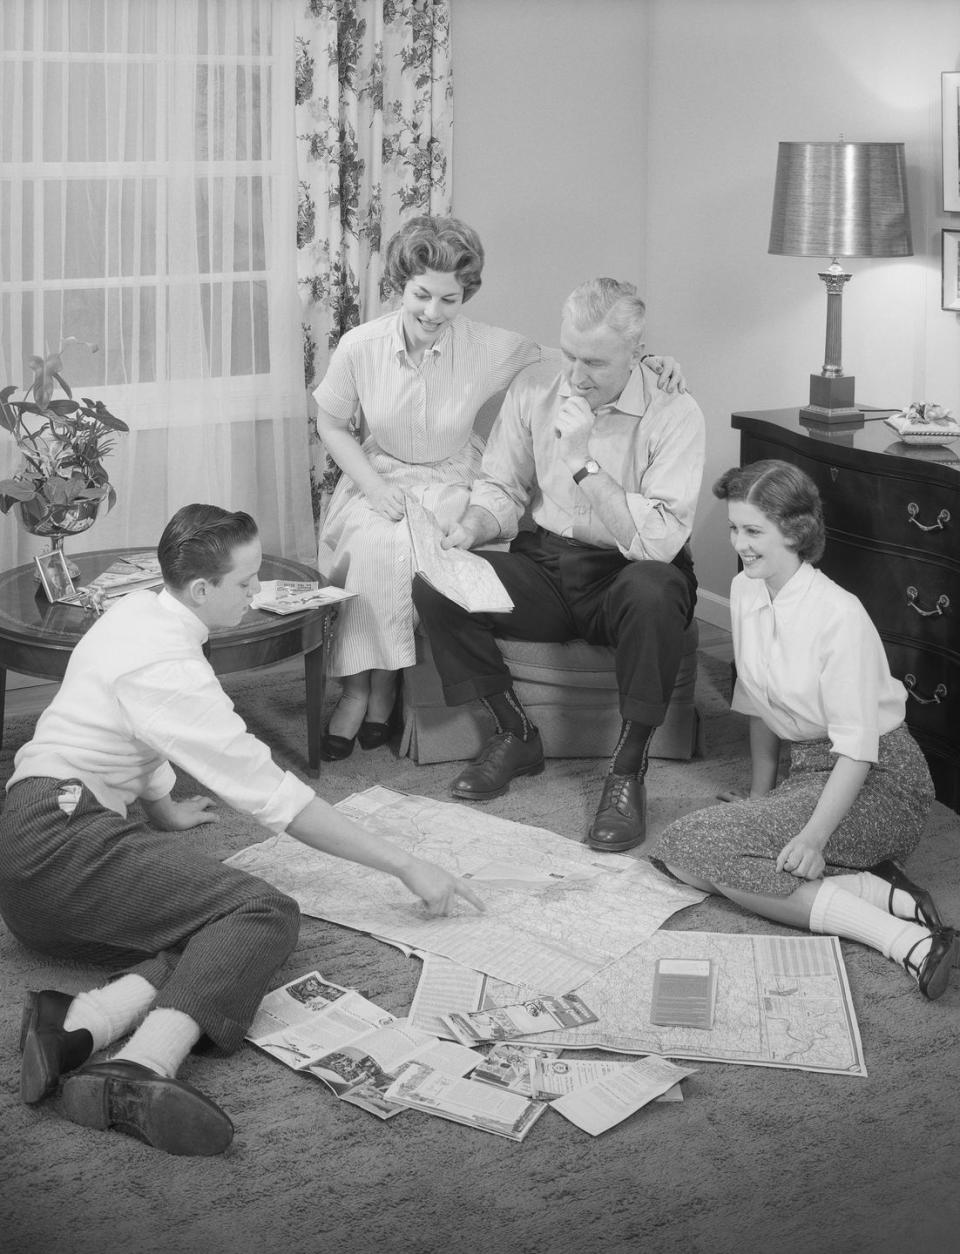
(839, 200)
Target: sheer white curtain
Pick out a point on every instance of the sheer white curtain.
(148, 205)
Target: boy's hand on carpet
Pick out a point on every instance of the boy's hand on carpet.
(438, 889)
(179, 816)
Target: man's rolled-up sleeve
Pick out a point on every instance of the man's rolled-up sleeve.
(663, 509)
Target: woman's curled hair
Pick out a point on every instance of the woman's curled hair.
(786, 495)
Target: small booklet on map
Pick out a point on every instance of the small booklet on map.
(684, 993)
(354, 1046)
(537, 1014)
(477, 1105)
(292, 596)
(460, 575)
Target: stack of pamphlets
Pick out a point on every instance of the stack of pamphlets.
(291, 596)
(537, 1014)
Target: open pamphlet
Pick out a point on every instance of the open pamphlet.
(460, 575)
(479, 1105)
(537, 1014)
(539, 1072)
(550, 1078)
(354, 1046)
(292, 596)
(615, 1096)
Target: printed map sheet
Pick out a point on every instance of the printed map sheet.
(545, 895)
(782, 1001)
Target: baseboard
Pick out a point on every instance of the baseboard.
(713, 609)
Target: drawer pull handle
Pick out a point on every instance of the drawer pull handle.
(942, 518)
(943, 603)
(939, 693)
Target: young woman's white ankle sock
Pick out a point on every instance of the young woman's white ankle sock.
(162, 1041)
(879, 893)
(111, 1011)
(837, 912)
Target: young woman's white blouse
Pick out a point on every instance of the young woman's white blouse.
(811, 664)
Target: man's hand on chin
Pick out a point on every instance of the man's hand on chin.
(572, 425)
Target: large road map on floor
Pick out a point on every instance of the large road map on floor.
(556, 912)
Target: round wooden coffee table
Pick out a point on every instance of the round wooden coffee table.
(37, 638)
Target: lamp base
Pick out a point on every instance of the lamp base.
(831, 400)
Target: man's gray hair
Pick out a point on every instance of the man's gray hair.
(608, 302)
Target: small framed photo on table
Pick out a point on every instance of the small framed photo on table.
(950, 270)
(950, 139)
(55, 578)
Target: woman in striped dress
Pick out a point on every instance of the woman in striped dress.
(812, 671)
(417, 378)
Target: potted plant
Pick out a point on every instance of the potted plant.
(62, 482)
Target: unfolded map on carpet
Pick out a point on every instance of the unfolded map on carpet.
(781, 1001)
(543, 893)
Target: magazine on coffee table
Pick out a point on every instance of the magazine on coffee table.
(292, 596)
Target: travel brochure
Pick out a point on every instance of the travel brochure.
(384, 1065)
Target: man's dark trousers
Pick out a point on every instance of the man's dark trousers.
(564, 590)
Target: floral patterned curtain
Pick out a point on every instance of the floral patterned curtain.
(374, 132)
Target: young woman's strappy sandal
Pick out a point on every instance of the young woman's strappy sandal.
(925, 910)
(932, 973)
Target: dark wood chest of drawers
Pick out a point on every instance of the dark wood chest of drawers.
(893, 538)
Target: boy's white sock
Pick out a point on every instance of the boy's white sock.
(162, 1041)
(111, 1011)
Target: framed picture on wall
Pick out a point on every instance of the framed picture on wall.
(950, 139)
(950, 270)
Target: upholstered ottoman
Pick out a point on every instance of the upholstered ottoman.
(570, 692)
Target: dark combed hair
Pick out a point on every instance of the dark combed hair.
(445, 245)
(198, 543)
(786, 495)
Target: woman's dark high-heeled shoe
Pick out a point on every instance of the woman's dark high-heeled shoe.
(373, 735)
(335, 748)
(926, 912)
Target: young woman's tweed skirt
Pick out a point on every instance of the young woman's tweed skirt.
(92, 886)
(735, 845)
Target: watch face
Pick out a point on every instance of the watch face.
(592, 467)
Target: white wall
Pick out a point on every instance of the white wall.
(548, 161)
(639, 138)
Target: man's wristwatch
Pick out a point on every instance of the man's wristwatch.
(589, 467)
